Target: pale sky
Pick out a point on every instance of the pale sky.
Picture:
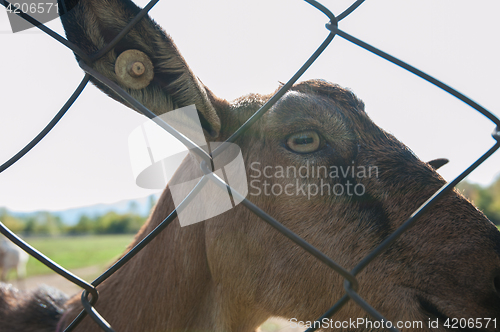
(238, 47)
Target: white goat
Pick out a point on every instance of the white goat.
(11, 256)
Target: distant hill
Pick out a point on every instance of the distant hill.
(486, 198)
(140, 206)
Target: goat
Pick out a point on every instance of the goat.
(233, 271)
(12, 257)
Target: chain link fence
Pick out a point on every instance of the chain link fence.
(90, 295)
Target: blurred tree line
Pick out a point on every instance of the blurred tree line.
(47, 224)
(486, 199)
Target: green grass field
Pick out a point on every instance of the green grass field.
(77, 251)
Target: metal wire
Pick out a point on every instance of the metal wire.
(49, 32)
(47, 128)
(90, 295)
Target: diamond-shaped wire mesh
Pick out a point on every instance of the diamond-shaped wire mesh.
(90, 294)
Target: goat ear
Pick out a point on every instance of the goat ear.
(438, 163)
(164, 83)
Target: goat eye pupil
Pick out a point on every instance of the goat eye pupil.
(304, 140)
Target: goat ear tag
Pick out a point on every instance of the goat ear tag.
(155, 155)
(134, 69)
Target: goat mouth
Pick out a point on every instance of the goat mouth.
(433, 313)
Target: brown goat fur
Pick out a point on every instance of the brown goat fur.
(234, 271)
(37, 311)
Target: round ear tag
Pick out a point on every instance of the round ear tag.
(134, 69)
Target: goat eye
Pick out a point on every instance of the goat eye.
(304, 142)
